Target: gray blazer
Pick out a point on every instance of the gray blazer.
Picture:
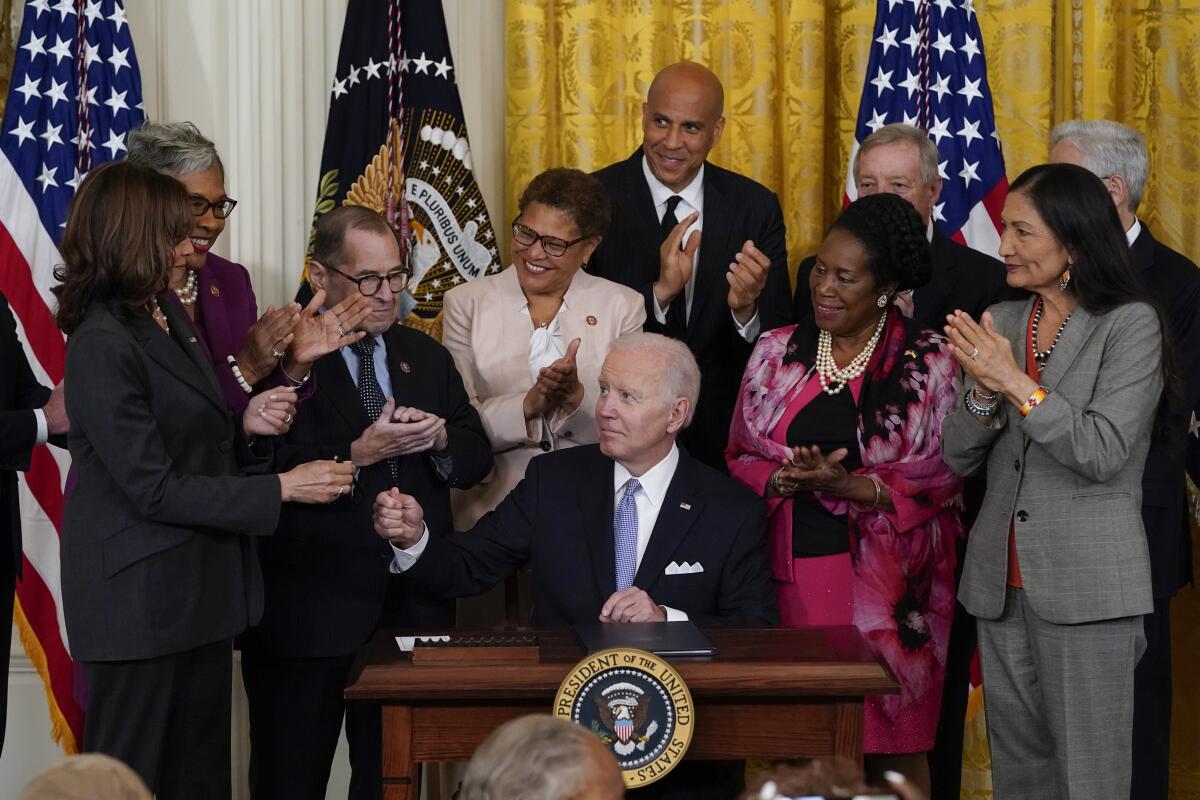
(156, 549)
(1068, 476)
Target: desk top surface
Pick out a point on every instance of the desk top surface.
(779, 662)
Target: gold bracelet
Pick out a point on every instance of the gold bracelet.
(878, 490)
(1031, 402)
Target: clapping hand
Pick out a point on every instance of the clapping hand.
(399, 518)
(809, 470)
(266, 342)
(270, 412)
(316, 334)
(984, 353)
(557, 386)
(399, 431)
(675, 261)
(747, 276)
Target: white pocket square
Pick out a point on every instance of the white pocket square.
(684, 569)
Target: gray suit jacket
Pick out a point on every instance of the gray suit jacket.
(156, 552)
(1068, 476)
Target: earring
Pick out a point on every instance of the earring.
(882, 301)
(1065, 280)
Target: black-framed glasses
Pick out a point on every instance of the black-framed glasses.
(526, 236)
(221, 208)
(368, 285)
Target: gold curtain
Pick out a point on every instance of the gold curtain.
(577, 73)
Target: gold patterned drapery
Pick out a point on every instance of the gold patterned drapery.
(577, 74)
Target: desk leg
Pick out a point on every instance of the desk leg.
(401, 773)
(848, 731)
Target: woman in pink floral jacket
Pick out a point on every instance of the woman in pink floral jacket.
(838, 426)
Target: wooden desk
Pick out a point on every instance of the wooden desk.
(777, 693)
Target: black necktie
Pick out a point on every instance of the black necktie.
(368, 388)
(677, 310)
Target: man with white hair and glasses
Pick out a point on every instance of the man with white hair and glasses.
(1117, 154)
(630, 530)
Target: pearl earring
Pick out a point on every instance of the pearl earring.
(882, 301)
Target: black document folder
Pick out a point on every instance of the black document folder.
(661, 638)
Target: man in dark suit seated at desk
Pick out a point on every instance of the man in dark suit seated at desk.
(704, 245)
(630, 530)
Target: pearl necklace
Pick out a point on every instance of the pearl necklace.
(833, 379)
(190, 290)
(1043, 356)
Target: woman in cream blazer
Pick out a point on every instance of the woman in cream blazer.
(511, 334)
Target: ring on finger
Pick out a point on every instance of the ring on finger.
(974, 351)
(275, 354)
(287, 418)
(342, 331)
(340, 491)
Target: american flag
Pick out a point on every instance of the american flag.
(927, 69)
(75, 93)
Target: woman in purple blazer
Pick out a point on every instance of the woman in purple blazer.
(248, 352)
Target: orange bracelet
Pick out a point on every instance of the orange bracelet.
(1039, 394)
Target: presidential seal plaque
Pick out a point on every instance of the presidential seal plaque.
(638, 706)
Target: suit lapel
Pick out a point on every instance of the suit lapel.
(673, 523)
(336, 386)
(1074, 337)
(1142, 251)
(642, 214)
(932, 296)
(715, 253)
(596, 505)
(183, 356)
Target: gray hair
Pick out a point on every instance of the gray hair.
(172, 148)
(899, 132)
(680, 373)
(1109, 148)
(535, 757)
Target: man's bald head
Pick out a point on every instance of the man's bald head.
(681, 122)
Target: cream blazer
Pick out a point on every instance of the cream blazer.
(488, 336)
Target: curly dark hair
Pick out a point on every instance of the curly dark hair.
(577, 195)
(893, 237)
(119, 244)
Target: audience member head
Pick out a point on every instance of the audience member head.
(127, 227)
(899, 159)
(563, 213)
(682, 120)
(649, 385)
(179, 149)
(356, 251)
(1062, 234)
(91, 776)
(875, 248)
(1113, 152)
(539, 757)
(836, 778)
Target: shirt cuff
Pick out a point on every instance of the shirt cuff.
(403, 560)
(660, 313)
(751, 329)
(674, 614)
(43, 431)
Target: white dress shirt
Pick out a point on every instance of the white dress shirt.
(545, 343)
(691, 200)
(43, 430)
(1135, 230)
(649, 500)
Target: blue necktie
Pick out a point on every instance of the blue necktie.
(625, 534)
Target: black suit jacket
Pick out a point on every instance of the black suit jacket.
(328, 586)
(735, 209)
(559, 519)
(155, 553)
(962, 278)
(1173, 282)
(20, 393)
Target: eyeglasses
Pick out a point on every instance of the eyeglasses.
(526, 236)
(221, 208)
(368, 285)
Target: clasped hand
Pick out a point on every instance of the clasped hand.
(984, 353)
(632, 605)
(809, 470)
(557, 386)
(399, 431)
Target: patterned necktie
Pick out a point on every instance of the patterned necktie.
(625, 534)
(368, 388)
(677, 310)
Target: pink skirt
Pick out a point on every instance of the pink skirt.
(822, 593)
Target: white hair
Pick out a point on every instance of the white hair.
(678, 367)
(1109, 148)
(899, 132)
(172, 148)
(535, 757)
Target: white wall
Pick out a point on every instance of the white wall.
(254, 75)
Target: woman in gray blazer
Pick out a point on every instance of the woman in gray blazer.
(158, 569)
(1059, 404)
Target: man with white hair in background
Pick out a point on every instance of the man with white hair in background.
(540, 757)
(1117, 154)
(630, 530)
